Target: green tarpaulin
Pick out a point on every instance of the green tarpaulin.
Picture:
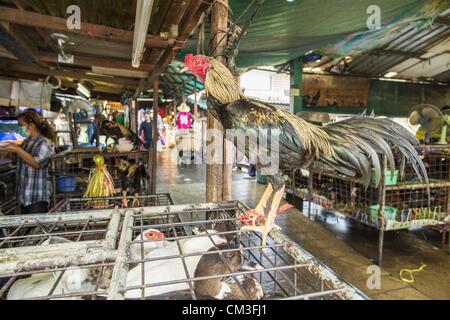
(284, 30)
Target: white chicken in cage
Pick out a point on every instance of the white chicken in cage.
(153, 239)
(40, 285)
(170, 269)
(174, 269)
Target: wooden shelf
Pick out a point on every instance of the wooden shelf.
(390, 225)
(399, 186)
(408, 186)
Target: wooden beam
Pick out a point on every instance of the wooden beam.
(21, 5)
(96, 62)
(70, 73)
(95, 89)
(191, 19)
(37, 20)
(17, 42)
(171, 24)
(218, 173)
(187, 26)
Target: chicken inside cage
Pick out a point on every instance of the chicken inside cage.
(57, 256)
(38, 233)
(183, 256)
(83, 204)
(164, 253)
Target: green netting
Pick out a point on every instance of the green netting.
(283, 30)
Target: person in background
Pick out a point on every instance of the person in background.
(32, 176)
(161, 131)
(147, 128)
(252, 170)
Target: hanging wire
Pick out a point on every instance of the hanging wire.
(201, 39)
(231, 50)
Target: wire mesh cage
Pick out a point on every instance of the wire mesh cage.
(70, 170)
(59, 256)
(406, 201)
(8, 204)
(179, 253)
(83, 204)
(190, 251)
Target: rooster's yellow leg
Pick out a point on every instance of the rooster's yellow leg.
(259, 209)
(136, 202)
(124, 199)
(270, 222)
(253, 214)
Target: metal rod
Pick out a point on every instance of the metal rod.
(112, 232)
(186, 255)
(183, 260)
(315, 295)
(11, 236)
(119, 276)
(382, 203)
(240, 273)
(142, 257)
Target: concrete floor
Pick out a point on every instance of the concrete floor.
(345, 246)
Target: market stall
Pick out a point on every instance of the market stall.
(111, 270)
(400, 202)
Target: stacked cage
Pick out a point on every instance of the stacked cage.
(280, 269)
(86, 204)
(405, 200)
(70, 170)
(114, 254)
(59, 256)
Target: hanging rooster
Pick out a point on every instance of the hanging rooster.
(350, 147)
(115, 131)
(132, 176)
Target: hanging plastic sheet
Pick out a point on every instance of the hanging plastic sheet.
(283, 31)
(31, 94)
(5, 92)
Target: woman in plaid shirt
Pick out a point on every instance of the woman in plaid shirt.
(33, 184)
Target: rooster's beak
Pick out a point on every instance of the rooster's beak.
(185, 69)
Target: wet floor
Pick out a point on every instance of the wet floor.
(345, 246)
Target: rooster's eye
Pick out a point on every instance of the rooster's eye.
(195, 62)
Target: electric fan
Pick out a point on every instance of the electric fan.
(428, 117)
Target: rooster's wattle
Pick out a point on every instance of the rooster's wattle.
(351, 147)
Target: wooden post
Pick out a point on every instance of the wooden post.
(134, 111)
(382, 203)
(218, 175)
(296, 86)
(154, 148)
(195, 98)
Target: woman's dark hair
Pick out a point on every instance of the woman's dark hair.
(44, 128)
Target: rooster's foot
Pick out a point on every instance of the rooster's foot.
(258, 222)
